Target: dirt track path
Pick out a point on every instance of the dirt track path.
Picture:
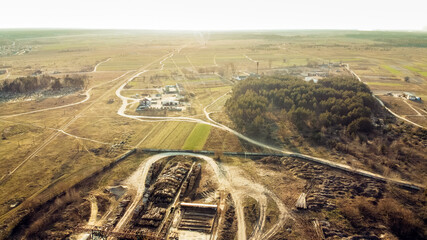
(412, 107)
(87, 94)
(383, 105)
(284, 214)
(250, 59)
(97, 65)
(58, 130)
(67, 124)
(55, 134)
(244, 186)
(92, 219)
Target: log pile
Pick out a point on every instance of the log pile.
(168, 183)
(189, 185)
(161, 194)
(326, 185)
(153, 217)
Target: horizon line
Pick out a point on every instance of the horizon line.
(214, 30)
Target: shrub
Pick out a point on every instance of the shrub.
(360, 125)
(401, 221)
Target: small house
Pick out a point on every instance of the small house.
(144, 104)
(411, 97)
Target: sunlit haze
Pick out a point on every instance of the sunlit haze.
(215, 15)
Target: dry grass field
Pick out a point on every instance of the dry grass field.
(50, 143)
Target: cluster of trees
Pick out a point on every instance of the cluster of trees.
(332, 102)
(32, 84)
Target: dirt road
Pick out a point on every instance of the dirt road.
(246, 186)
(87, 94)
(67, 124)
(213, 123)
(97, 65)
(53, 135)
(412, 107)
(382, 104)
(92, 219)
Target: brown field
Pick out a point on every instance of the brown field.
(49, 148)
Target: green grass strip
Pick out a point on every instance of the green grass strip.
(197, 138)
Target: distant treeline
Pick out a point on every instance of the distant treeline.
(257, 104)
(394, 39)
(31, 84)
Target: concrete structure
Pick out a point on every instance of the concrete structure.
(200, 205)
(197, 217)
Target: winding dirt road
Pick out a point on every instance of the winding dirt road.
(284, 213)
(226, 183)
(97, 65)
(250, 59)
(87, 94)
(92, 218)
(382, 104)
(413, 108)
(62, 129)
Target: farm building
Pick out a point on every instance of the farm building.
(170, 103)
(411, 97)
(239, 78)
(168, 100)
(144, 104)
(171, 89)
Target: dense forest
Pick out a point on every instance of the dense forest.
(333, 103)
(32, 84)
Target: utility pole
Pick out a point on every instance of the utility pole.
(257, 66)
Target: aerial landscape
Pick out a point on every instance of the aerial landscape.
(243, 133)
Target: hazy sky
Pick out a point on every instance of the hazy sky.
(215, 14)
